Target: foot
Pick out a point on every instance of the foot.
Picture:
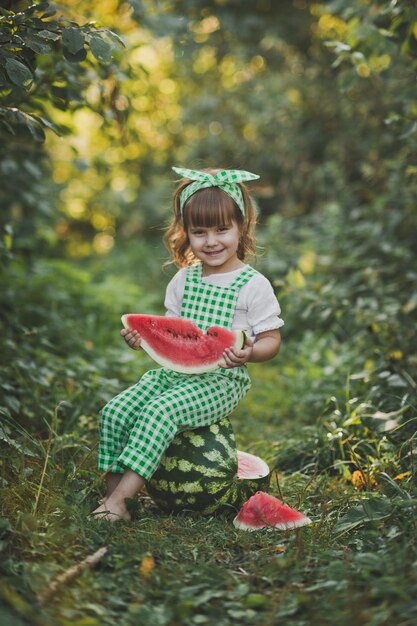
(123, 486)
(111, 512)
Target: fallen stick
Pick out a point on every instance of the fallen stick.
(70, 574)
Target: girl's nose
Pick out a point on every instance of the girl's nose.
(211, 238)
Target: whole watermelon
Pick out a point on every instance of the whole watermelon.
(199, 472)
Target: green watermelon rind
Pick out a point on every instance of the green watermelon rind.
(176, 366)
(181, 484)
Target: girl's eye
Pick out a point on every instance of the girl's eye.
(223, 228)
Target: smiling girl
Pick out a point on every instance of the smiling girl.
(209, 238)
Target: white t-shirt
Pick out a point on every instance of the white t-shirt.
(257, 309)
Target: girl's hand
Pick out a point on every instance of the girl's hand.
(236, 358)
(132, 338)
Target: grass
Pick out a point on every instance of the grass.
(357, 562)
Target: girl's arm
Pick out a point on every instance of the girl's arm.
(267, 345)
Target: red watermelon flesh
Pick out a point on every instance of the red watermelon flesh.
(180, 345)
(265, 511)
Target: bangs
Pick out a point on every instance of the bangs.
(211, 207)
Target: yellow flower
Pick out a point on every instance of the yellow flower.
(363, 70)
(403, 475)
(395, 355)
(147, 566)
(362, 479)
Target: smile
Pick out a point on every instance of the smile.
(214, 252)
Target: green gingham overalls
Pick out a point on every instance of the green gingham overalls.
(138, 425)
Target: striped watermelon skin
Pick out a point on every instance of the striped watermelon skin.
(199, 473)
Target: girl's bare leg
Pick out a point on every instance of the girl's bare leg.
(114, 508)
(112, 480)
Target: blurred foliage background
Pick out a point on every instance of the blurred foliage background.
(97, 101)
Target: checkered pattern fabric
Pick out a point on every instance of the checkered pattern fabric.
(138, 425)
(209, 305)
(226, 180)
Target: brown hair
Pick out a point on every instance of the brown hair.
(209, 207)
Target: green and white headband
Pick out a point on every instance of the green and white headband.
(226, 179)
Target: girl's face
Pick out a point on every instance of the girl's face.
(216, 247)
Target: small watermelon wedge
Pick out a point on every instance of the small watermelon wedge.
(265, 511)
(180, 345)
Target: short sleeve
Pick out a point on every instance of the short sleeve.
(262, 305)
(174, 293)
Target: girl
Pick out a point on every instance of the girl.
(211, 234)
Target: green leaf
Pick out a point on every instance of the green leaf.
(374, 509)
(346, 80)
(116, 39)
(3, 120)
(365, 30)
(40, 6)
(19, 73)
(49, 13)
(50, 125)
(35, 129)
(37, 45)
(77, 57)
(377, 508)
(5, 526)
(15, 117)
(15, 444)
(47, 34)
(73, 40)
(100, 49)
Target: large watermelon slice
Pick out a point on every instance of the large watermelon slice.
(265, 511)
(180, 345)
(202, 471)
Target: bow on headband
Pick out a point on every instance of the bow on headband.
(226, 180)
